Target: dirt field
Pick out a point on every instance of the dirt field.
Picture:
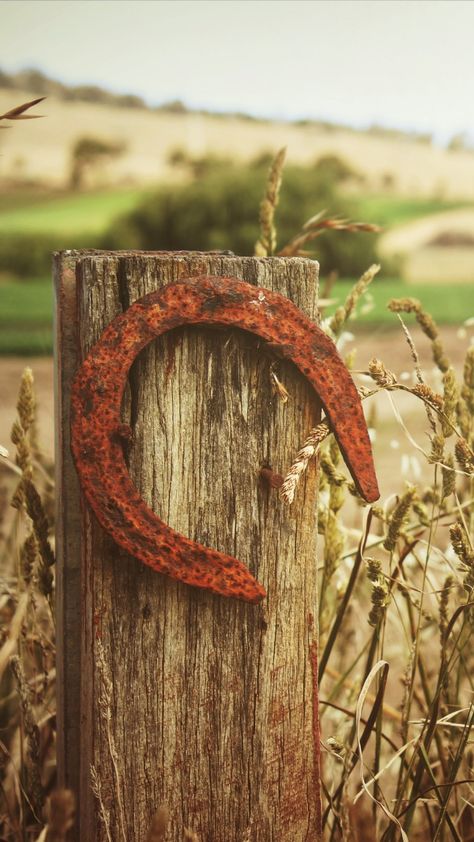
(413, 235)
(392, 449)
(41, 149)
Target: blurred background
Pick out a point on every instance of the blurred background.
(161, 120)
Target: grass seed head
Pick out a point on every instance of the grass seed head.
(467, 390)
(437, 448)
(469, 369)
(28, 557)
(266, 244)
(464, 417)
(448, 477)
(428, 395)
(444, 607)
(450, 400)
(26, 400)
(398, 518)
(439, 355)
(35, 510)
(380, 374)
(333, 545)
(427, 324)
(379, 599)
(464, 456)
(343, 313)
(460, 544)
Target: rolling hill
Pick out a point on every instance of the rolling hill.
(40, 150)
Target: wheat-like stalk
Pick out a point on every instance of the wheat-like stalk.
(318, 225)
(104, 814)
(344, 312)
(266, 243)
(32, 735)
(105, 709)
(305, 454)
(427, 324)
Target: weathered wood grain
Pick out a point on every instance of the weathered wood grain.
(211, 707)
(68, 531)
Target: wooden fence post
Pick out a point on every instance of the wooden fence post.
(173, 695)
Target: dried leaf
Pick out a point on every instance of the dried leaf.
(18, 112)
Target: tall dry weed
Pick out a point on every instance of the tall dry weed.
(27, 654)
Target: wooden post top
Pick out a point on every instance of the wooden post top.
(170, 694)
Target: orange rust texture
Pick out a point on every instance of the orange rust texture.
(98, 435)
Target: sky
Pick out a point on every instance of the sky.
(402, 63)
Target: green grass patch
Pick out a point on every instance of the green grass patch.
(30, 302)
(389, 210)
(447, 303)
(26, 309)
(92, 212)
(26, 317)
(66, 214)
(19, 341)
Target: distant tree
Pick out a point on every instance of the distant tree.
(129, 101)
(175, 106)
(35, 81)
(424, 138)
(38, 83)
(196, 167)
(335, 170)
(88, 93)
(178, 156)
(220, 211)
(6, 80)
(88, 153)
(388, 181)
(263, 159)
(458, 142)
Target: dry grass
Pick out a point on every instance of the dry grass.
(28, 653)
(266, 244)
(419, 623)
(19, 111)
(419, 579)
(316, 227)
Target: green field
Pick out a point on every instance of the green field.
(26, 309)
(65, 213)
(92, 212)
(447, 303)
(387, 210)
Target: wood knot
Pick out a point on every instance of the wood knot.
(270, 478)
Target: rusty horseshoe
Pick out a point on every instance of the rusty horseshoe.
(97, 430)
